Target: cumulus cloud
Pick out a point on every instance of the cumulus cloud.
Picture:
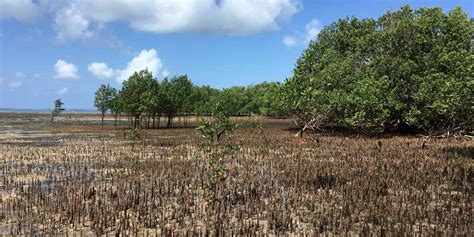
(84, 19)
(101, 70)
(71, 24)
(62, 91)
(64, 70)
(73, 19)
(146, 59)
(25, 11)
(311, 32)
(289, 41)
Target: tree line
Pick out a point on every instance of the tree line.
(146, 100)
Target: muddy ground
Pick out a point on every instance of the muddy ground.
(75, 177)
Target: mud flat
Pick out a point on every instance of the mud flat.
(76, 178)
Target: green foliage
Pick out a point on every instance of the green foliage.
(378, 146)
(233, 100)
(218, 148)
(104, 99)
(175, 96)
(264, 99)
(409, 67)
(137, 93)
(201, 99)
(261, 99)
(143, 96)
(132, 134)
(58, 108)
(257, 125)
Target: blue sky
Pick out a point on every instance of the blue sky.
(65, 49)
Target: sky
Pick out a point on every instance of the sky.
(53, 49)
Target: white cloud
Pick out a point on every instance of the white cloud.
(37, 75)
(73, 19)
(146, 59)
(165, 73)
(15, 83)
(289, 41)
(25, 11)
(312, 30)
(62, 91)
(64, 70)
(70, 24)
(83, 19)
(20, 75)
(101, 70)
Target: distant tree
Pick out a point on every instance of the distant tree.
(182, 87)
(264, 99)
(58, 108)
(234, 100)
(155, 102)
(175, 94)
(144, 98)
(104, 98)
(136, 95)
(270, 103)
(201, 98)
(115, 106)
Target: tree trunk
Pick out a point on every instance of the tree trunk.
(102, 120)
(137, 120)
(116, 115)
(153, 123)
(144, 137)
(170, 121)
